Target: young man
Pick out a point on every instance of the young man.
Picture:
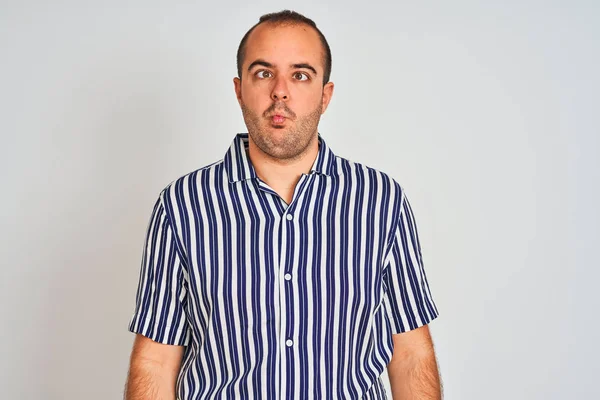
(282, 271)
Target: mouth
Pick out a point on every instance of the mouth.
(277, 119)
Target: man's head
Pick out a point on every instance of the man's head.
(287, 17)
(283, 86)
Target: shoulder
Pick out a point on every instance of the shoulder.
(352, 170)
(189, 182)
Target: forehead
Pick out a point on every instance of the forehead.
(285, 43)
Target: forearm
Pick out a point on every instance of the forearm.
(149, 380)
(415, 377)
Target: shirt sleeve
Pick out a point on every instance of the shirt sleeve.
(409, 304)
(162, 287)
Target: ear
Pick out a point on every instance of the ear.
(327, 93)
(237, 85)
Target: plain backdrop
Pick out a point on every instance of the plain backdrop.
(486, 112)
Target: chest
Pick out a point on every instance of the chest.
(248, 251)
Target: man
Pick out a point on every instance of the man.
(282, 271)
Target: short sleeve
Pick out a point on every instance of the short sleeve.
(162, 287)
(408, 301)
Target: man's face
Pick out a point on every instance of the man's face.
(281, 92)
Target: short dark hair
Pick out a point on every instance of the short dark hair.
(282, 17)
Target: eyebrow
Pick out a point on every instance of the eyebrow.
(269, 65)
(305, 66)
(260, 62)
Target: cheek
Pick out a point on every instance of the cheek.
(306, 100)
(256, 97)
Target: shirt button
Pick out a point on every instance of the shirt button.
(289, 217)
(289, 343)
(287, 277)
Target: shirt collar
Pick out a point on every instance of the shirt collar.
(239, 167)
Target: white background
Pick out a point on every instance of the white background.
(486, 112)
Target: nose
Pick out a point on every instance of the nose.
(280, 90)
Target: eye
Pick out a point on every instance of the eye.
(262, 74)
(301, 76)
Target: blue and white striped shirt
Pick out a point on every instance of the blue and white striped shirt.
(278, 301)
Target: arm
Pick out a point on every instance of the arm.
(413, 370)
(153, 370)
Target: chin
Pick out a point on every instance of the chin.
(277, 133)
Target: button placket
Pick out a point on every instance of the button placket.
(287, 264)
(288, 289)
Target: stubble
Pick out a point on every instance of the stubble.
(285, 143)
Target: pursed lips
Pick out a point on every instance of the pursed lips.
(278, 118)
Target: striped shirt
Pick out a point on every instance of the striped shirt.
(282, 301)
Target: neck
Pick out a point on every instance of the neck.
(283, 175)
